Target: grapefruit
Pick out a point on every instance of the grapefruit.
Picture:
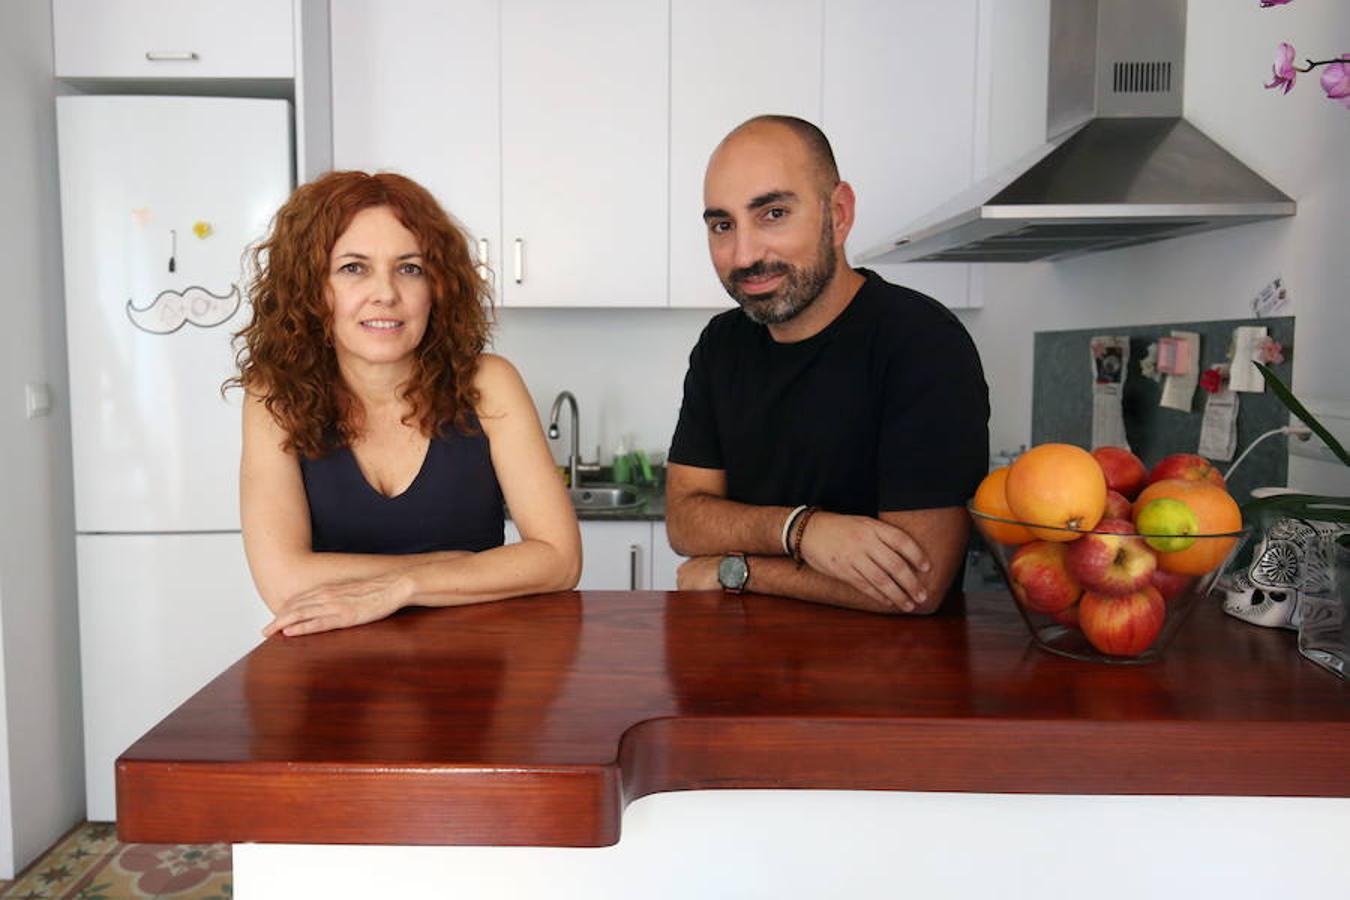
(1056, 485)
(1216, 512)
(991, 501)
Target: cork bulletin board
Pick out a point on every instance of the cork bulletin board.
(1061, 400)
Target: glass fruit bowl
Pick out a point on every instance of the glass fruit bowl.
(1109, 594)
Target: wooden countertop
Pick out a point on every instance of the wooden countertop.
(535, 721)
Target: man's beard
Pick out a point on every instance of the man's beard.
(800, 287)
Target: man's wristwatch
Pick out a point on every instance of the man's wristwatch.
(733, 572)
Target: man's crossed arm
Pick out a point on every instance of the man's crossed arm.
(902, 562)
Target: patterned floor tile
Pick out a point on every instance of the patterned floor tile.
(90, 864)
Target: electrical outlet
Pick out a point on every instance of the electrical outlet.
(37, 399)
(1335, 417)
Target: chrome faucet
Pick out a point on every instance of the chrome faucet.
(574, 455)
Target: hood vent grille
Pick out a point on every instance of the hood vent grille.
(1142, 78)
(1042, 241)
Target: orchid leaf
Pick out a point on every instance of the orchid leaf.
(1317, 507)
(1298, 409)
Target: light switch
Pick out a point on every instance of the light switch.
(37, 399)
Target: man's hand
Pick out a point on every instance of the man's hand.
(872, 556)
(698, 574)
(342, 605)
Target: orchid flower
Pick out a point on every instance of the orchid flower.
(1269, 3)
(1270, 352)
(1284, 70)
(1336, 80)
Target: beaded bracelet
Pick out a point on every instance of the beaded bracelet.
(801, 530)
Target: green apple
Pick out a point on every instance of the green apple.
(1168, 525)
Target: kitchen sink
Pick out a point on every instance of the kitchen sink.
(604, 496)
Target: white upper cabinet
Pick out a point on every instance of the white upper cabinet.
(584, 88)
(729, 62)
(160, 39)
(900, 110)
(415, 92)
(571, 138)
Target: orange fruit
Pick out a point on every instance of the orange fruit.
(1056, 485)
(991, 500)
(1217, 513)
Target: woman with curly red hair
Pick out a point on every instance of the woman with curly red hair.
(380, 440)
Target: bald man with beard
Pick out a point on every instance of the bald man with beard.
(834, 425)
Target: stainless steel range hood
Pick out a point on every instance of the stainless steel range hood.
(1120, 166)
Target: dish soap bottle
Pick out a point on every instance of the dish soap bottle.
(623, 466)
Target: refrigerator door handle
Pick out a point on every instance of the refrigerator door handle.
(172, 56)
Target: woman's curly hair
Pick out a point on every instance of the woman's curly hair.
(285, 354)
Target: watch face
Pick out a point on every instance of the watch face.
(733, 573)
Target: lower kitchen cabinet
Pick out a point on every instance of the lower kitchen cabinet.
(665, 561)
(616, 556)
(622, 556)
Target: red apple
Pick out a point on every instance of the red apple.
(1039, 579)
(1188, 467)
(1117, 506)
(1111, 560)
(1125, 625)
(1068, 616)
(1125, 472)
(1171, 585)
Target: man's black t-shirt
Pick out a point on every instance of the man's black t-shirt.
(884, 409)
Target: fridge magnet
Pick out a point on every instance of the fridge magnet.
(1174, 356)
(1148, 366)
(142, 216)
(1270, 352)
(1110, 353)
(202, 230)
(1270, 299)
(1179, 389)
(172, 309)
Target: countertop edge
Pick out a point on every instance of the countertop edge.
(581, 806)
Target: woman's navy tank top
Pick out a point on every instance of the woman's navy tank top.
(454, 502)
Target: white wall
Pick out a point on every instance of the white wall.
(626, 368)
(42, 791)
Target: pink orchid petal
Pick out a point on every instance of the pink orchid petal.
(1283, 70)
(1336, 80)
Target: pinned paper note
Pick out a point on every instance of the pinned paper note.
(1218, 429)
(1270, 299)
(1179, 390)
(1110, 353)
(142, 216)
(1248, 344)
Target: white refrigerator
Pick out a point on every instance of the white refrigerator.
(160, 197)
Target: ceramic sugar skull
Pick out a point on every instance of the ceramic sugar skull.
(1290, 561)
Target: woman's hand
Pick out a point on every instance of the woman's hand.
(342, 604)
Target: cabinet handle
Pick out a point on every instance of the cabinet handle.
(633, 567)
(171, 56)
(520, 260)
(483, 270)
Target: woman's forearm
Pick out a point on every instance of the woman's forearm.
(306, 571)
(527, 567)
